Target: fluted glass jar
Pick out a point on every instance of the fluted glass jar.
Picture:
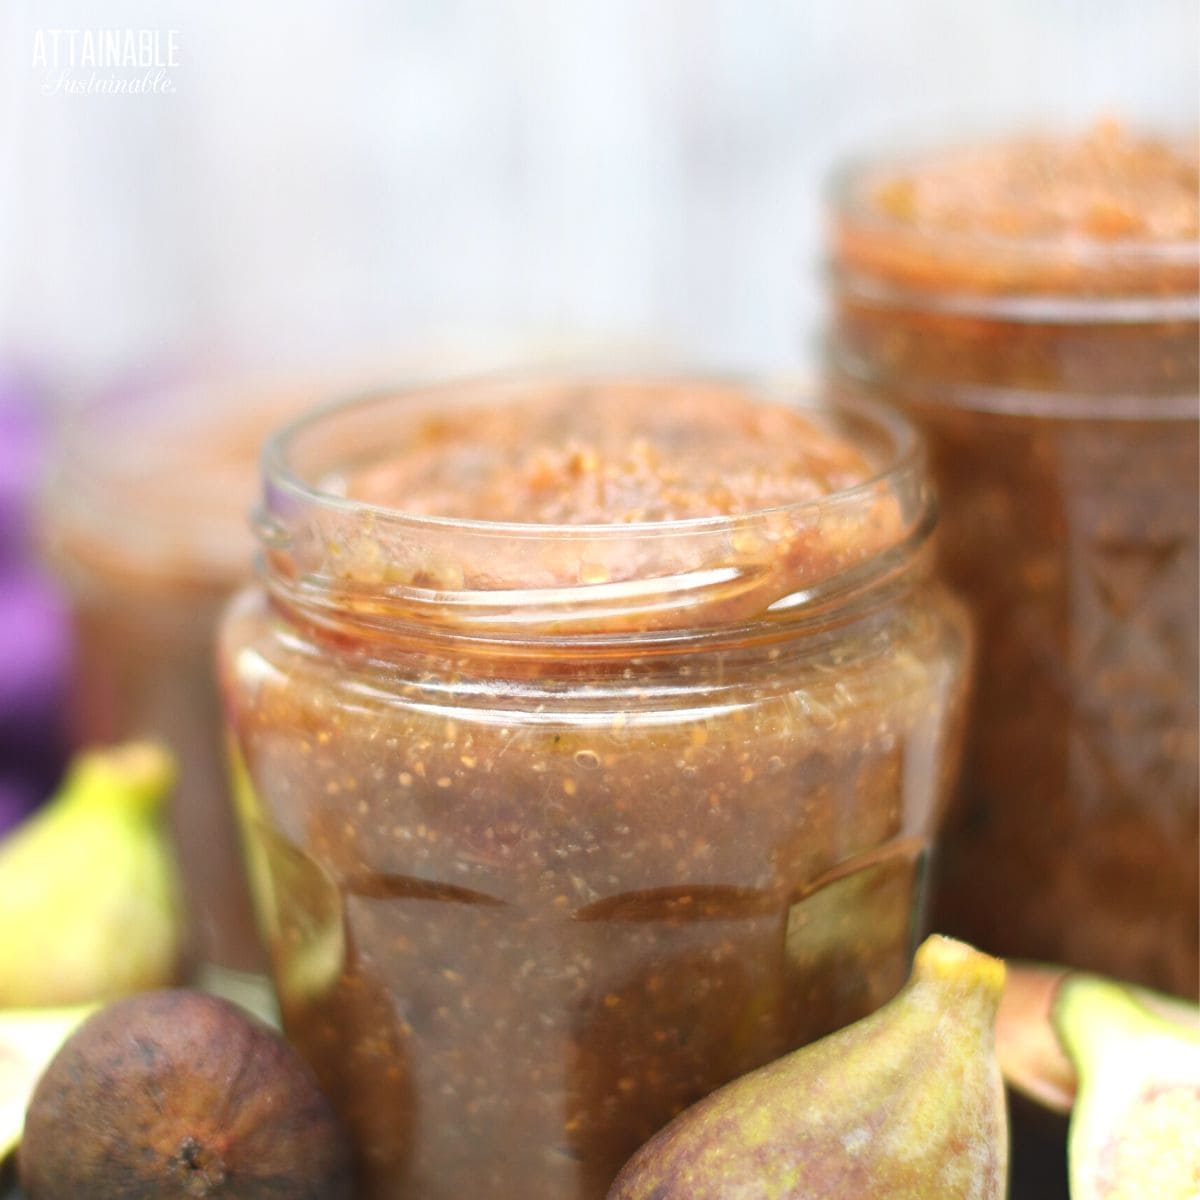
(556, 825)
(1033, 306)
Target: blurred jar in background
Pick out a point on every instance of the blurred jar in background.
(147, 525)
(1033, 303)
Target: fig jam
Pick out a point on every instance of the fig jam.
(591, 740)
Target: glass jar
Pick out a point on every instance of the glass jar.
(145, 524)
(1046, 343)
(554, 828)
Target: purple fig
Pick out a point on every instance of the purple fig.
(180, 1094)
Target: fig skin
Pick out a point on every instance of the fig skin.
(1135, 1127)
(179, 1094)
(906, 1104)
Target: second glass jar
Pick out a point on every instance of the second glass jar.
(1032, 304)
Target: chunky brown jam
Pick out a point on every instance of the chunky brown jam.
(542, 862)
(1106, 186)
(639, 456)
(1033, 304)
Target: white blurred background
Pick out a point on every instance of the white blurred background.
(362, 176)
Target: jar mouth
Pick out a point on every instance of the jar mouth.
(1020, 277)
(350, 558)
(283, 474)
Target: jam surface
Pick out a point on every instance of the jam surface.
(1106, 213)
(619, 455)
(1108, 184)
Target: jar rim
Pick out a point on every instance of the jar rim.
(341, 559)
(279, 473)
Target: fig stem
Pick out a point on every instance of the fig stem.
(946, 963)
(137, 777)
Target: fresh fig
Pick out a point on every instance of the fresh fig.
(907, 1103)
(1135, 1127)
(180, 1094)
(1031, 1055)
(89, 897)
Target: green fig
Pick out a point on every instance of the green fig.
(89, 899)
(1031, 1056)
(29, 1039)
(906, 1104)
(1135, 1127)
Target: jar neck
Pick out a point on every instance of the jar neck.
(713, 610)
(1092, 359)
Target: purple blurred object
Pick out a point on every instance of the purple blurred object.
(35, 660)
(34, 647)
(34, 624)
(17, 800)
(22, 444)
